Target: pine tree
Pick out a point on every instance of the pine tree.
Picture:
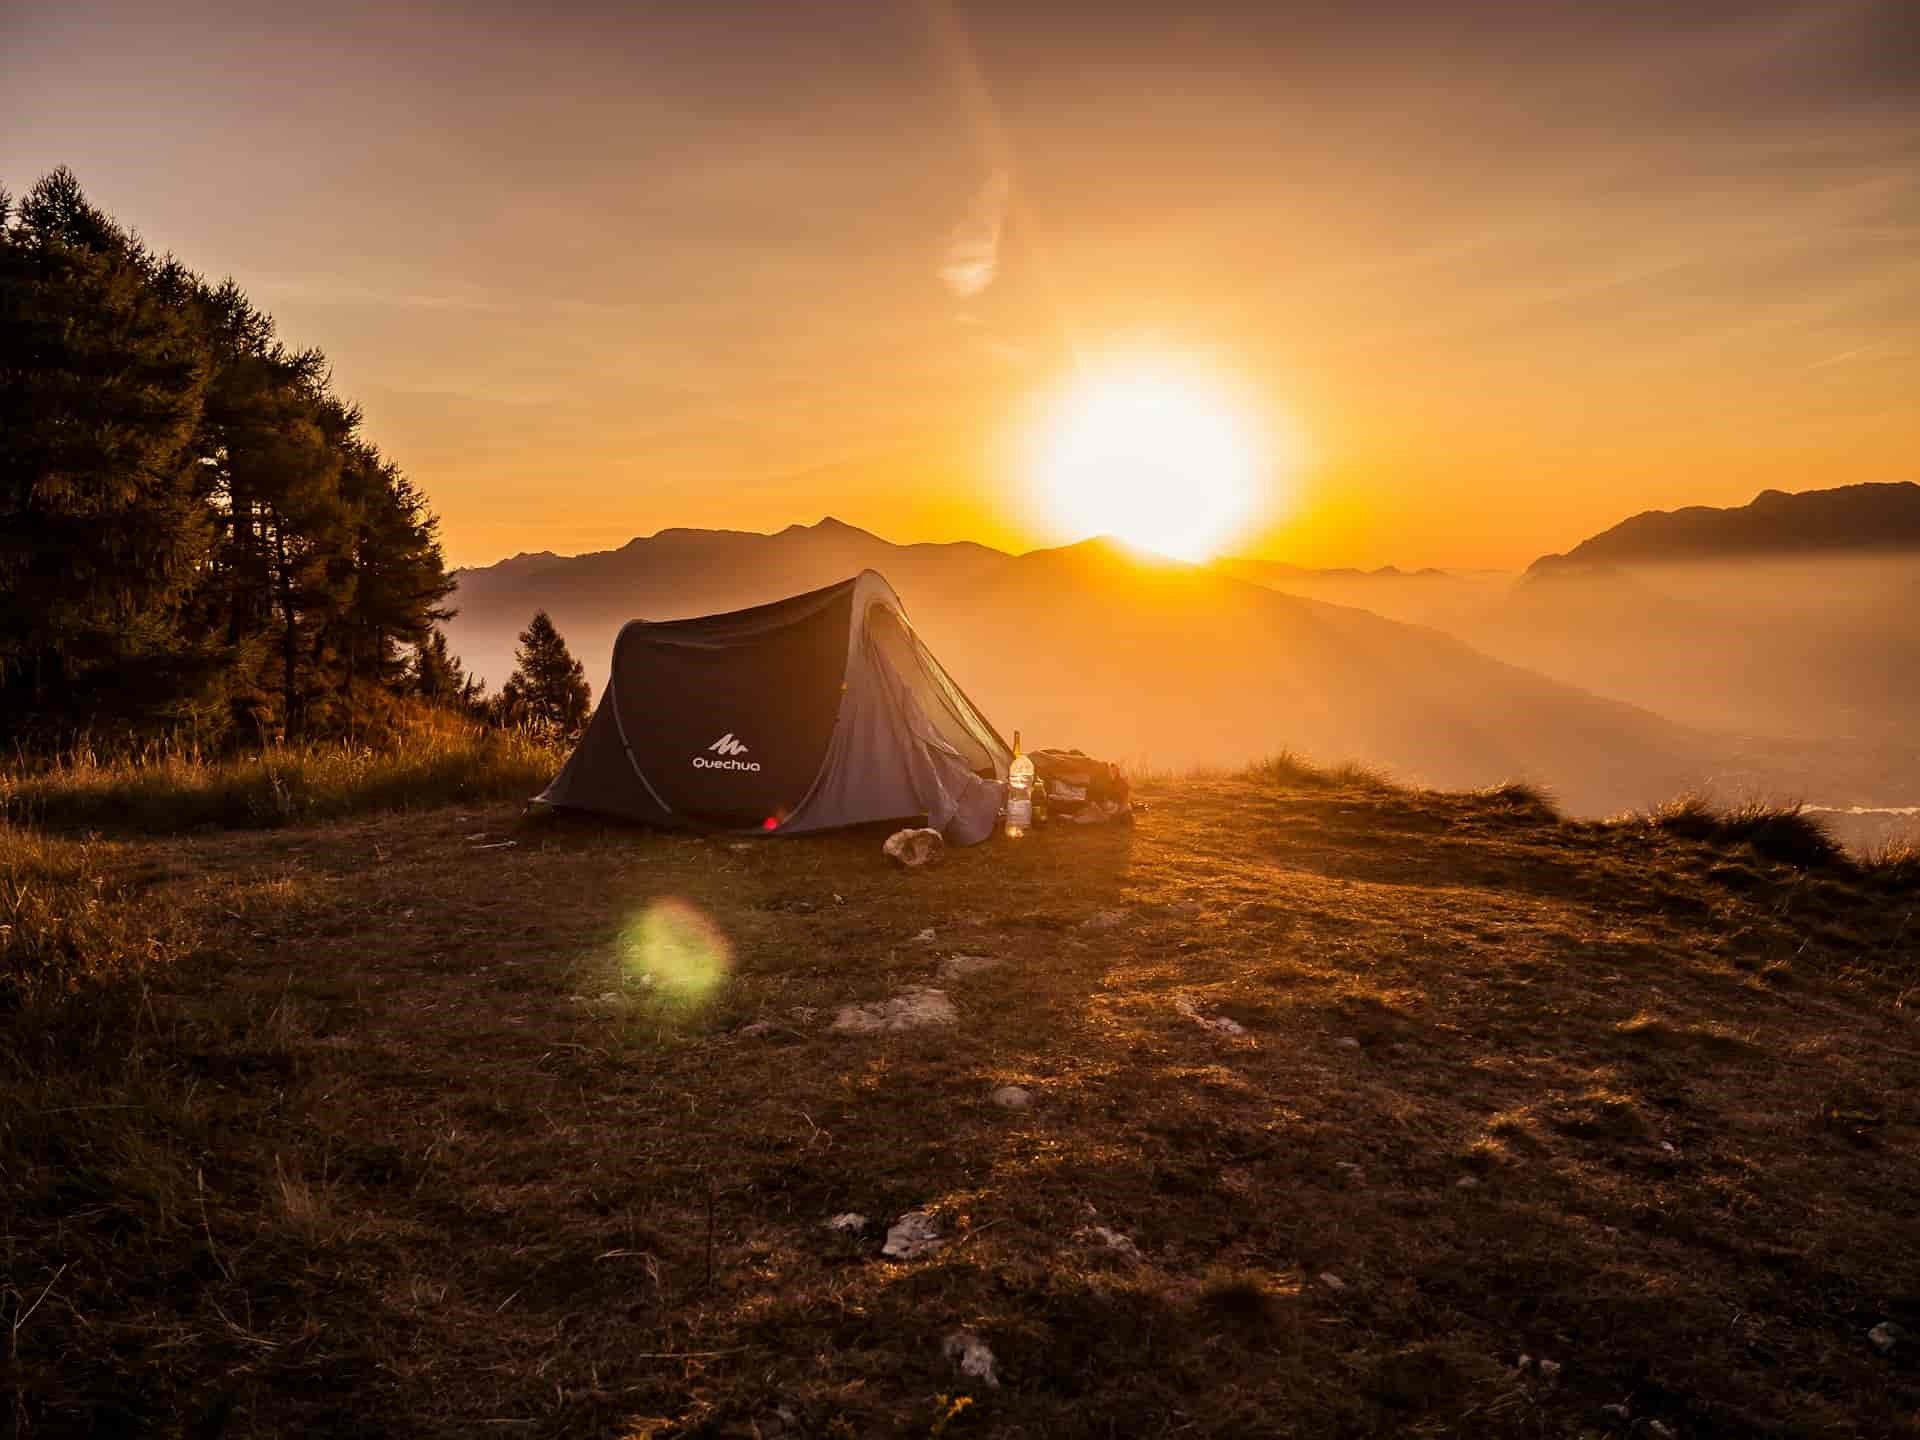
(192, 528)
(440, 679)
(399, 576)
(103, 526)
(548, 688)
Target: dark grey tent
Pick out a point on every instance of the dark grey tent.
(820, 710)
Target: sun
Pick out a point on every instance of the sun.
(1154, 453)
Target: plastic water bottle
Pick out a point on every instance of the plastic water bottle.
(1019, 792)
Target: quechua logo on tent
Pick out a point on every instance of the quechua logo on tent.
(728, 749)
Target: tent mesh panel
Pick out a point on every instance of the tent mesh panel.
(947, 709)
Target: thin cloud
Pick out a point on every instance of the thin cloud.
(973, 251)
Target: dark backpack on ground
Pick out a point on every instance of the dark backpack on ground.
(1071, 780)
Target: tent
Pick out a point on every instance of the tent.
(823, 709)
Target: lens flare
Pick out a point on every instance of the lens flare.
(677, 950)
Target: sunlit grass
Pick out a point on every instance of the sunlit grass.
(164, 788)
(65, 918)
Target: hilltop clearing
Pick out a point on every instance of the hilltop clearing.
(1301, 1106)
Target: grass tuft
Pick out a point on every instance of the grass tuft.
(1290, 768)
(1523, 797)
(1895, 866)
(1781, 832)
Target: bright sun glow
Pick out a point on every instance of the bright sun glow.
(1150, 453)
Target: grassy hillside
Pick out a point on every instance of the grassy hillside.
(390, 1126)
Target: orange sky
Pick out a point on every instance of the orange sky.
(1513, 268)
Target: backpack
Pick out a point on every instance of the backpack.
(1070, 781)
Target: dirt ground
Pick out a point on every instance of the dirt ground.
(1347, 1112)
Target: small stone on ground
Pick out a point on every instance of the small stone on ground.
(1121, 1245)
(914, 1234)
(848, 1224)
(909, 1010)
(1220, 1024)
(958, 967)
(914, 848)
(970, 1353)
(1012, 1097)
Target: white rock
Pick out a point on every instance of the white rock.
(609, 997)
(925, 937)
(1219, 1024)
(1347, 1042)
(1549, 1369)
(1885, 1336)
(1669, 1147)
(970, 1353)
(1466, 1182)
(914, 1234)
(757, 1029)
(1012, 1097)
(959, 967)
(1332, 1281)
(1524, 1363)
(847, 1224)
(914, 848)
(909, 1010)
(1121, 1245)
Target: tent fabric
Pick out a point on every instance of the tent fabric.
(820, 710)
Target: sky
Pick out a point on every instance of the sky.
(1489, 275)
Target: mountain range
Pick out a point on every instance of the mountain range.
(1613, 689)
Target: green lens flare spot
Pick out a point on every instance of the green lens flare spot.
(678, 952)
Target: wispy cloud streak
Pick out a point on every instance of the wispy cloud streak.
(973, 252)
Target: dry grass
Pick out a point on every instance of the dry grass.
(416, 1136)
(167, 789)
(66, 923)
(1786, 833)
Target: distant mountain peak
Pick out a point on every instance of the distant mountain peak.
(1776, 522)
(1107, 550)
